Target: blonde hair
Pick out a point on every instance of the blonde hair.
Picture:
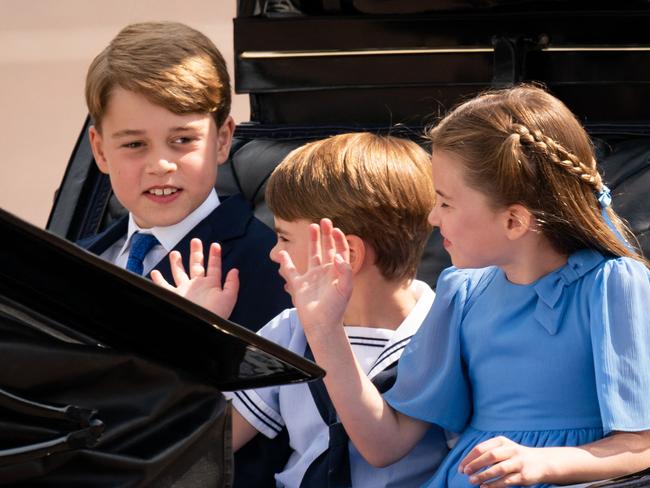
(171, 64)
(377, 188)
(522, 145)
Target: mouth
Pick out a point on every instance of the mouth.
(162, 191)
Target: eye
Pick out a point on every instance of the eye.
(133, 145)
(440, 203)
(183, 140)
(282, 238)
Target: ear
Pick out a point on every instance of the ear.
(224, 139)
(97, 146)
(358, 252)
(518, 221)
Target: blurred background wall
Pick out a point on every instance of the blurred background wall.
(45, 49)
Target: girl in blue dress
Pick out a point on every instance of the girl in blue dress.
(537, 347)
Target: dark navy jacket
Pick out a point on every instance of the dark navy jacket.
(245, 243)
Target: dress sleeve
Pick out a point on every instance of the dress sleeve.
(431, 382)
(620, 329)
(261, 406)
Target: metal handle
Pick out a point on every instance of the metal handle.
(86, 434)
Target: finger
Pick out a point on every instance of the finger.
(514, 479)
(497, 470)
(228, 298)
(196, 259)
(315, 256)
(327, 240)
(178, 271)
(288, 270)
(157, 278)
(477, 451)
(486, 460)
(213, 273)
(341, 244)
(231, 285)
(344, 271)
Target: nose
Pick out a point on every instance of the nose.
(433, 217)
(161, 165)
(273, 254)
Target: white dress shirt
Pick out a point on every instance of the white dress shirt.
(168, 236)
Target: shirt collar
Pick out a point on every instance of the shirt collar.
(409, 326)
(552, 300)
(170, 235)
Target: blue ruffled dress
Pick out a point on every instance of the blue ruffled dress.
(560, 362)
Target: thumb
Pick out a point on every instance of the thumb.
(157, 278)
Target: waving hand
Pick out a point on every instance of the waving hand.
(202, 286)
(322, 293)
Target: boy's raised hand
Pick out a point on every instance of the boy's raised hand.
(322, 293)
(202, 286)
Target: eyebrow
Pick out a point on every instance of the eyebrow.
(138, 133)
(127, 132)
(184, 128)
(443, 195)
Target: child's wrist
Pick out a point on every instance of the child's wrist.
(554, 466)
(325, 336)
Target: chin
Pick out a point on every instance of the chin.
(160, 221)
(462, 263)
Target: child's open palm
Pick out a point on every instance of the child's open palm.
(203, 285)
(322, 292)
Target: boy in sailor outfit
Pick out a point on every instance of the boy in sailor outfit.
(378, 191)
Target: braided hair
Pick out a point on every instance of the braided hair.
(523, 146)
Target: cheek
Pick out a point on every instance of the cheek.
(299, 257)
(126, 167)
(204, 172)
(454, 228)
(203, 156)
(118, 179)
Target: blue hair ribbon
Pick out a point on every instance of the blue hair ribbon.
(605, 200)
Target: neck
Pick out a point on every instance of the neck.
(378, 303)
(533, 258)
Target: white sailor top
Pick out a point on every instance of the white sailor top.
(292, 406)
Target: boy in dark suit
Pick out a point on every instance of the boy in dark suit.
(159, 98)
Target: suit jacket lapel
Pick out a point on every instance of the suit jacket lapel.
(99, 243)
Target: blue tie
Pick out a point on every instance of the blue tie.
(141, 244)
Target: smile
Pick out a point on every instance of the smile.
(162, 191)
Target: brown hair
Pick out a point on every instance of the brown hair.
(171, 64)
(522, 145)
(378, 188)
